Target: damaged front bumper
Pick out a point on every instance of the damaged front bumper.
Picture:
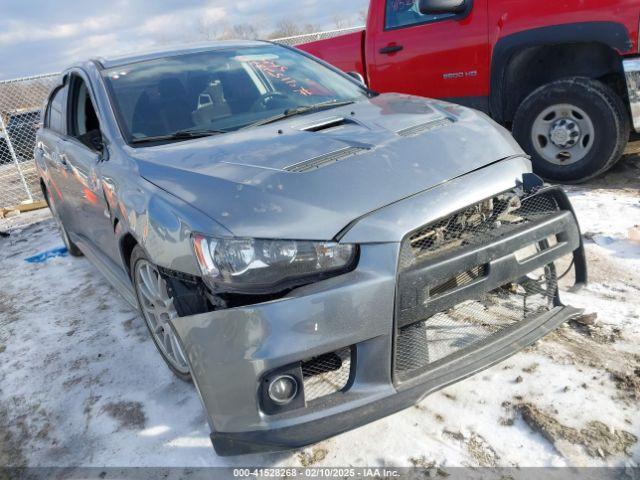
(372, 404)
(390, 316)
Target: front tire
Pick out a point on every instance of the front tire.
(574, 129)
(157, 310)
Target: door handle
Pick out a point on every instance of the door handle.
(391, 49)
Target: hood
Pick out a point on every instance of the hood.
(310, 176)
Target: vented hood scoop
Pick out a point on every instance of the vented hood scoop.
(326, 124)
(324, 160)
(424, 127)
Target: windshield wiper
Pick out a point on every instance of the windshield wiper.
(291, 112)
(180, 135)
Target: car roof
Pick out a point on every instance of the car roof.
(120, 60)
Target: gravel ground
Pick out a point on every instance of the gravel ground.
(82, 384)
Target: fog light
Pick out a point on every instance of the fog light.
(283, 389)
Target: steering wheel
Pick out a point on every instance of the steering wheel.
(262, 103)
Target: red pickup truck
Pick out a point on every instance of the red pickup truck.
(563, 75)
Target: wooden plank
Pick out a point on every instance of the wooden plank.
(25, 207)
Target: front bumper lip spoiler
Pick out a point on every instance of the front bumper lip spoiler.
(409, 393)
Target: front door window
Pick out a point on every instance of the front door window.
(84, 124)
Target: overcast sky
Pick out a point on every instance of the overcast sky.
(42, 36)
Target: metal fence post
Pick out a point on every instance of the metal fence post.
(21, 102)
(15, 158)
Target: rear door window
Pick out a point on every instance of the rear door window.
(56, 112)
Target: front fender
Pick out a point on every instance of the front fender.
(162, 225)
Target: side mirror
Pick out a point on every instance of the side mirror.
(101, 147)
(435, 7)
(93, 139)
(358, 77)
(97, 143)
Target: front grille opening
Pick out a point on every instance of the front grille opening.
(460, 280)
(472, 323)
(426, 338)
(326, 374)
(533, 249)
(475, 225)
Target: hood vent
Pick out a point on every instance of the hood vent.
(324, 160)
(424, 127)
(326, 124)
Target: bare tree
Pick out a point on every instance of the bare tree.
(362, 16)
(310, 28)
(208, 30)
(286, 28)
(244, 31)
(340, 21)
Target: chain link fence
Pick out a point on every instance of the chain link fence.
(312, 37)
(21, 102)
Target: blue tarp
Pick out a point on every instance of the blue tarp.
(46, 255)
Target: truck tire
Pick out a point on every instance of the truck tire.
(574, 129)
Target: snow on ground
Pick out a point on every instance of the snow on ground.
(82, 385)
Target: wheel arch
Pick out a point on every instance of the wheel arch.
(526, 60)
(126, 243)
(43, 189)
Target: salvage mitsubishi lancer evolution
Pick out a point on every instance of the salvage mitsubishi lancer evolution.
(312, 255)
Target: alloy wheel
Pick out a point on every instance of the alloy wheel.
(158, 311)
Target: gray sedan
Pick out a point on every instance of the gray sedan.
(312, 255)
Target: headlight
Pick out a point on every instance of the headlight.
(247, 265)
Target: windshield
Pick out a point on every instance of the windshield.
(220, 90)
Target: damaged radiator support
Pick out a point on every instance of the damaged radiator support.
(467, 279)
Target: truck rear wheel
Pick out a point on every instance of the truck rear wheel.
(574, 129)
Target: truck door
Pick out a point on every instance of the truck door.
(443, 55)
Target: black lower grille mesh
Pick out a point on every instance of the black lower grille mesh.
(470, 323)
(326, 374)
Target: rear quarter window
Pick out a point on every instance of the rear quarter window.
(56, 111)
